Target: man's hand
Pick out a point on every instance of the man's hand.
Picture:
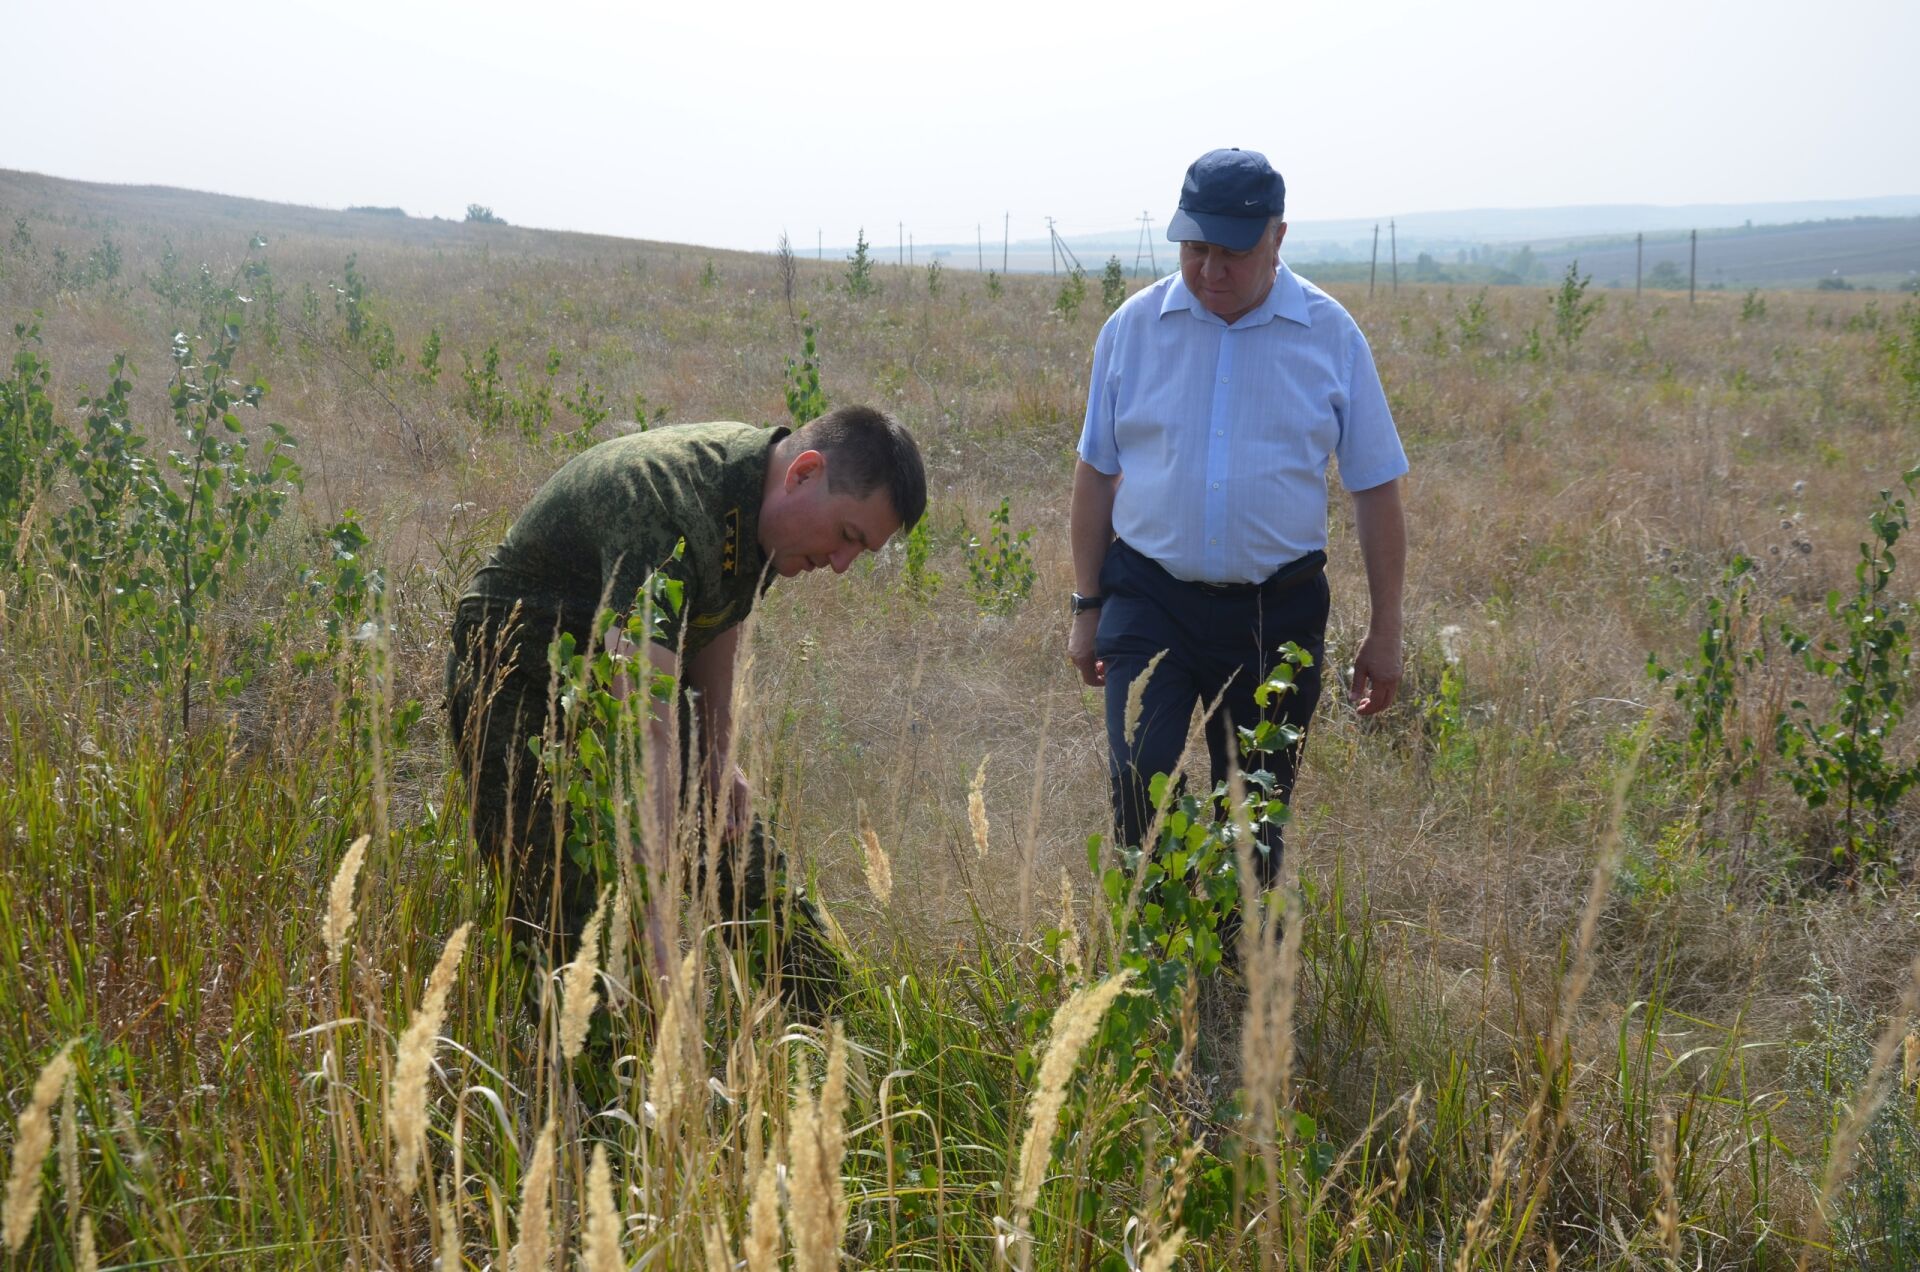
(1080, 653)
(1382, 527)
(1376, 673)
(1090, 530)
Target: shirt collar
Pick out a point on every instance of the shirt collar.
(1285, 299)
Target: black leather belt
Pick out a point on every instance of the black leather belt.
(1287, 576)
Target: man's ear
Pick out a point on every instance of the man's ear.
(806, 466)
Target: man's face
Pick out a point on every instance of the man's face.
(809, 526)
(1231, 284)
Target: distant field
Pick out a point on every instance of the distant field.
(1584, 965)
(1884, 253)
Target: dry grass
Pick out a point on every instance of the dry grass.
(1568, 515)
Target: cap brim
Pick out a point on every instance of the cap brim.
(1237, 233)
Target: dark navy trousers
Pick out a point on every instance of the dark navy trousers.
(1216, 639)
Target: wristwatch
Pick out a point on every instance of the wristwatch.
(1081, 604)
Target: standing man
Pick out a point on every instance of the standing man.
(1199, 520)
(748, 504)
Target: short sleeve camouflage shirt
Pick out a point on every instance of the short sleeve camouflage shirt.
(613, 514)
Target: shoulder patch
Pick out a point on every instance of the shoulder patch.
(730, 545)
(715, 618)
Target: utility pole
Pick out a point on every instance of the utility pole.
(1373, 266)
(979, 249)
(1393, 246)
(1693, 261)
(1638, 244)
(819, 244)
(1053, 249)
(1145, 246)
(1063, 252)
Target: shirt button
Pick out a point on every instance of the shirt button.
(1223, 379)
(1219, 432)
(1216, 485)
(1215, 542)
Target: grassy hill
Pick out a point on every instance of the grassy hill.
(1576, 970)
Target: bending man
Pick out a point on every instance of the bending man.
(749, 504)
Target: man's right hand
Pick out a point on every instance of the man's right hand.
(1080, 653)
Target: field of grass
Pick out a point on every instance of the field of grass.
(1571, 973)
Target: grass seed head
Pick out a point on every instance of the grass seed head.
(1073, 1027)
(977, 807)
(1070, 956)
(407, 1099)
(816, 1145)
(449, 1228)
(31, 1140)
(533, 1252)
(87, 1257)
(879, 866)
(580, 985)
(1403, 1157)
(670, 1078)
(1161, 1257)
(718, 1260)
(619, 934)
(1664, 1169)
(340, 898)
(763, 1221)
(1137, 697)
(601, 1242)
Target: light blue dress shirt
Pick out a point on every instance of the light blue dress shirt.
(1222, 433)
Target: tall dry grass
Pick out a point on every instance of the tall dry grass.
(1503, 1015)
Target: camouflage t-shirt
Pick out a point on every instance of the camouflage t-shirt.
(613, 514)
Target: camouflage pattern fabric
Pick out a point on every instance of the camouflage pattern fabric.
(612, 516)
(596, 529)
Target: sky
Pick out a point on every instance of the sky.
(725, 124)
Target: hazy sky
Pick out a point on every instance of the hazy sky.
(724, 123)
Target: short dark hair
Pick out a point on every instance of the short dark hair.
(866, 448)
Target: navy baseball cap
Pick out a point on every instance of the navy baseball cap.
(1228, 198)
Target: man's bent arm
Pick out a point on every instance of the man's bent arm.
(1090, 531)
(660, 750)
(1382, 527)
(710, 675)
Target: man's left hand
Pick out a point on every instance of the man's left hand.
(1376, 674)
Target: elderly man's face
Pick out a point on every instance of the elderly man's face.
(1231, 284)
